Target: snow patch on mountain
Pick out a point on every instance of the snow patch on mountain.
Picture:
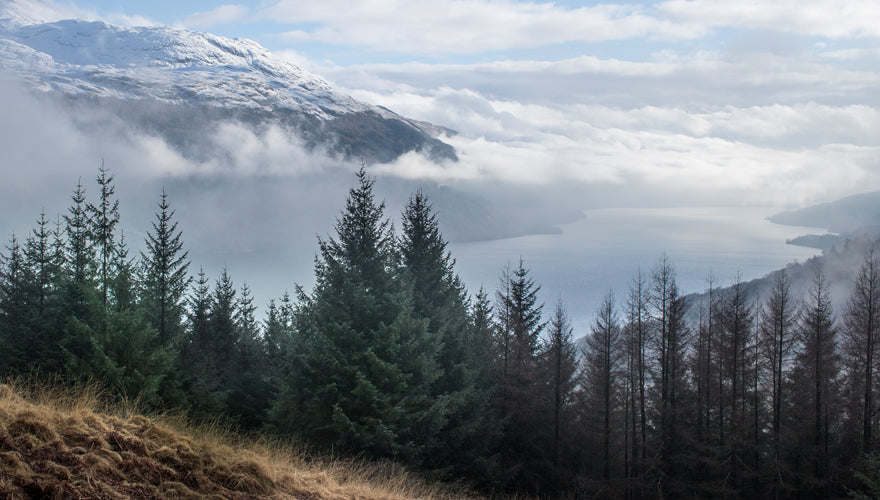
(168, 64)
(235, 77)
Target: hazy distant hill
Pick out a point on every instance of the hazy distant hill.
(840, 266)
(845, 216)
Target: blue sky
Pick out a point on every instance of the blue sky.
(476, 30)
(748, 101)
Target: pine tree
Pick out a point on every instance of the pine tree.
(737, 322)
(672, 339)
(519, 400)
(38, 253)
(81, 315)
(778, 323)
(862, 322)
(165, 268)
(16, 286)
(104, 218)
(138, 364)
(438, 294)
(560, 362)
(638, 321)
(440, 298)
(223, 336)
(250, 391)
(707, 359)
(164, 282)
(482, 352)
(199, 380)
(815, 380)
(80, 256)
(209, 358)
(362, 375)
(276, 341)
(600, 377)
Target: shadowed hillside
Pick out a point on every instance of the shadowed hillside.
(54, 445)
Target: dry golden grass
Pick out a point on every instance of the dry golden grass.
(58, 444)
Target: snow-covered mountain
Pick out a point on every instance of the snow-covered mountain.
(164, 79)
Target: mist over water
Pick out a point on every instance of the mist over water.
(606, 249)
(262, 222)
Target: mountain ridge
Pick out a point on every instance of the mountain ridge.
(84, 60)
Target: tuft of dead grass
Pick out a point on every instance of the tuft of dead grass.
(58, 443)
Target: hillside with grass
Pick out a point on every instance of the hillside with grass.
(58, 444)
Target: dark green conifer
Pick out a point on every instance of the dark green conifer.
(441, 299)
(166, 278)
(164, 282)
(249, 394)
(361, 376)
(519, 399)
(104, 218)
(139, 363)
(16, 286)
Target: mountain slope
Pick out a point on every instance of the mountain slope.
(839, 266)
(211, 77)
(846, 215)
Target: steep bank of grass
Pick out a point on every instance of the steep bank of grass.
(57, 444)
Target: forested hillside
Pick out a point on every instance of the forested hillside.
(388, 356)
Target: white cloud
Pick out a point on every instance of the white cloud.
(448, 27)
(39, 11)
(852, 54)
(223, 14)
(827, 18)
(703, 130)
(468, 26)
(47, 11)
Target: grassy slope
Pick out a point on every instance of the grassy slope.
(57, 445)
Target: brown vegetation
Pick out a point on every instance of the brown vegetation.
(55, 444)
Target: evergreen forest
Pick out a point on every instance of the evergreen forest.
(389, 357)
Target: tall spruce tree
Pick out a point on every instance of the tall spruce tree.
(249, 395)
(638, 320)
(560, 363)
(672, 339)
(38, 253)
(600, 382)
(223, 336)
(16, 295)
(80, 257)
(164, 282)
(519, 400)
(138, 363)
(482, 351)
(862, 336)
(815, 381)
(104, 218)
(81, 315)
(361, 378)
(439, 297)
(199, 379)
(437, 293)
(737, 320)
(166, 278)
(44, 253)
(778, 322)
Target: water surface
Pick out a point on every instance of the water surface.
(605, 249)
